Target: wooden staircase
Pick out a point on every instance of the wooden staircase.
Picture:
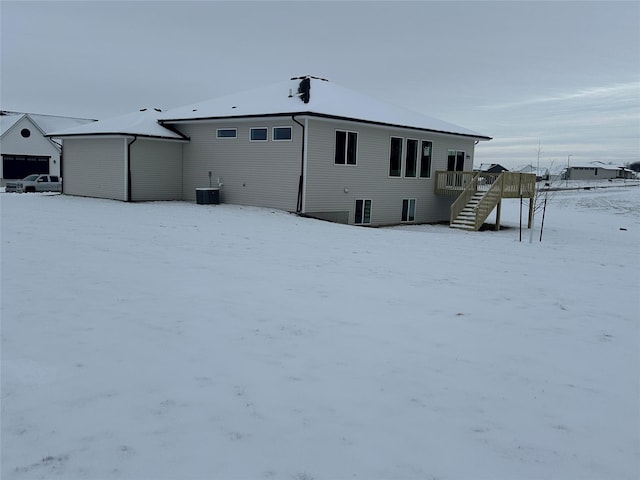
(479, 193)
(466, 219)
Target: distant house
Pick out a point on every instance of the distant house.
(541, 173)
(597, 171)
(305, 145)
(26, 148)
(491, 168)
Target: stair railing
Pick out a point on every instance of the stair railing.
(463, 198)
(488, 202)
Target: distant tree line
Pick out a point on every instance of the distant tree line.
(635, 166)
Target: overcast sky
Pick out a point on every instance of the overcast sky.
(562, 75)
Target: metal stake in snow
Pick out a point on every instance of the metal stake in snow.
(544, 209)
(520, 216)
(533, 221)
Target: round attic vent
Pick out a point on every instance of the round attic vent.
(25, 132)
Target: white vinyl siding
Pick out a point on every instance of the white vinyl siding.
(94, 167)
(264, 174)
(13, 143)
(156, 170)
(331, 192)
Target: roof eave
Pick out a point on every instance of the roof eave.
(118, 134)
(322, 115)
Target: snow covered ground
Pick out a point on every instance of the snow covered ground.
(178, 341)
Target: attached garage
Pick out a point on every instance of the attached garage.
(94, 167)
(131, 158)
(156, 170)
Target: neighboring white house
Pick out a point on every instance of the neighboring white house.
(25, 147)
(305, 145)
(597, 171)
(541, 173)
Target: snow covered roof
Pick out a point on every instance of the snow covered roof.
(52, 123)
(484, 167)
(598, 164)
(46, 123)
(324, 99)
(142, 123)
(8, 121)
(533, 169)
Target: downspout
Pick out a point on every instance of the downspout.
(59, 145)
(61, 165)
(302, 173)
(135, 137)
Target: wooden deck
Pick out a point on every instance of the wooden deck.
(480, 192)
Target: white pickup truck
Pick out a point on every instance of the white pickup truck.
(35, 183)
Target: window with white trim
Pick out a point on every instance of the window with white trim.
(281, 134)
(408, 210)
(411, 159)
(346, 147)
(455, 161)
(227, 133)
(425, 159)
(363, 212)
(258, 134)
(395, 157)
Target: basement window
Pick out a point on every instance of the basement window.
(363, 212)
(408, 209)
(227, 133)
(258, 134)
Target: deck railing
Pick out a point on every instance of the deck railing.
(495, 185)
(489, 201)
(452, 183)
(458, 205)
(514, 184)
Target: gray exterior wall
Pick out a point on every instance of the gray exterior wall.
(264, 174)
(94, 167)
(331, 190)
(156, 170)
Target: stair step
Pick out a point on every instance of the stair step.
(466, 219)
(459, 226)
